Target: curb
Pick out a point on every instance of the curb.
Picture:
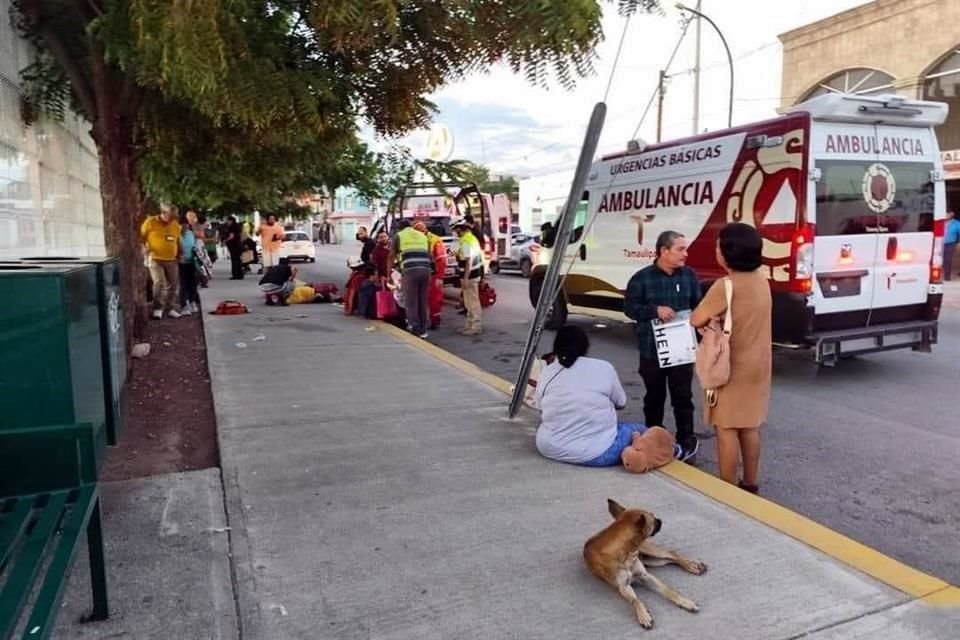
(919, 585)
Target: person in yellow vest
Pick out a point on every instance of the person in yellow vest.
(161, 236)
(470, 260)
(416, 267)
(439, 252)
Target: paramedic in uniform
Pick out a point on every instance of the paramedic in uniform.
(470, 257)
(439, 253)
(659, 291)
(416, 267)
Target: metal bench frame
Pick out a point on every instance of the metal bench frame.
(48, 496)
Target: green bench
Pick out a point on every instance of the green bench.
(48, 496)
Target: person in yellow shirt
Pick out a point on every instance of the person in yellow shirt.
(271, 241)
(161, 236)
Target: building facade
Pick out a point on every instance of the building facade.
(907, 47)
(49, 173)
(542, 199)
(350, 212)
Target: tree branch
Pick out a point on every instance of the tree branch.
(80, 82)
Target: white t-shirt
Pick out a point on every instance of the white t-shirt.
(578, 409)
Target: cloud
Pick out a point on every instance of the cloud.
(499, 119)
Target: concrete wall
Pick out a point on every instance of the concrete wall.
(902, 38)
(49, 174)
(542, 198)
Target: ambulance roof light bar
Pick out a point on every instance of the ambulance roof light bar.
(636, 146)
(885, 109)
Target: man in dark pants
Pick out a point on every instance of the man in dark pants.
(660, 291)
(416, 264)
(232, 239)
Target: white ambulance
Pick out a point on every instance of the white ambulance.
(847, 192)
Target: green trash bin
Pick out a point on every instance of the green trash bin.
(51, 371)
(113, 346)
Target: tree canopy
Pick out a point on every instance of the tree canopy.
(219, 87)
(227, 99)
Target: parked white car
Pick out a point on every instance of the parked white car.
(523, 255)
(297, 245)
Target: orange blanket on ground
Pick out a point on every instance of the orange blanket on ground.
(650, 450)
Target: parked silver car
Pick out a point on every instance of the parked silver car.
(523, 255)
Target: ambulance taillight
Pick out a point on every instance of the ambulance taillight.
(936, 260)
(802, 256)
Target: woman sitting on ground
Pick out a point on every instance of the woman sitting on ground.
(578, 398)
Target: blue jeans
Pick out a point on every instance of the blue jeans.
(283, 290)
(611, 457)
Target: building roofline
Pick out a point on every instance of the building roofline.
(835, 19)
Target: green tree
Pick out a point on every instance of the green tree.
(151, 75)
(481, 176)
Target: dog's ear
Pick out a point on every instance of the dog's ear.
(615, 507)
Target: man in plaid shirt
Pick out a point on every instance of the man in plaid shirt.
(660, 291)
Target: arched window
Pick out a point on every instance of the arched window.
(942, 83)
(858, 81)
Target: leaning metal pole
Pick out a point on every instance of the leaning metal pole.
(549, 290)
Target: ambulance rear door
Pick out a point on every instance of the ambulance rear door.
(907, 202)
(874, 215)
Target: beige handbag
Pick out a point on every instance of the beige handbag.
(713, 353)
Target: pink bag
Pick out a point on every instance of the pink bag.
(713, 354)
(386, 305)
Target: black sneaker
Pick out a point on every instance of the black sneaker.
(689, 450)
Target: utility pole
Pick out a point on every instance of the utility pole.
(726, 47)
(696, 75)
(661, 89)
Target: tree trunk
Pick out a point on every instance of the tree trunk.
(122, 206)
(114, 132)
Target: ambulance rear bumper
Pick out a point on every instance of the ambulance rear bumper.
(830, 346)
(837, 335)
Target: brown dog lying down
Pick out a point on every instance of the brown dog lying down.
(617, 556)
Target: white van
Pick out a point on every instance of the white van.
(847, 192)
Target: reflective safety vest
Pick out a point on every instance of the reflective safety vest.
(414, 250)
(470, 254)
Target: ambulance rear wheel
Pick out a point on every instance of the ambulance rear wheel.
(494, 267)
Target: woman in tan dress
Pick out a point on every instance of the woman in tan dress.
(741, 405)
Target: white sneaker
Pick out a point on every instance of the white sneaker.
(157, 314)
(194, 307)
(174, 314)
(185, 311)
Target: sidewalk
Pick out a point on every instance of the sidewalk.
(375, 491)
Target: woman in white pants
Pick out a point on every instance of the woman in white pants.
(271, 239)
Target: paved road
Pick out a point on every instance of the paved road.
(870, 448)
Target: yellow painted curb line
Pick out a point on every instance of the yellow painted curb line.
(949, 597)
(931, 590)
(469, 368)
(836, 545)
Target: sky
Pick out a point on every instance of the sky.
(513, 127)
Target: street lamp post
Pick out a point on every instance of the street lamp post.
(683, 7)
